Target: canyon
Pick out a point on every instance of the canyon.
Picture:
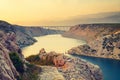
(102, 40)
(13, 65)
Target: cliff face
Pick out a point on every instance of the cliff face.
(102, 40)
(8, 44)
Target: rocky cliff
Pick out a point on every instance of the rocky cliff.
(102, 40)
(8, 44)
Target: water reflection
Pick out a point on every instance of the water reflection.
(55, 43)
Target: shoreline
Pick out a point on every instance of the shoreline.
(94, 56)
(76, 46)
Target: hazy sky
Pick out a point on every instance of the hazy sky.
(42, 12)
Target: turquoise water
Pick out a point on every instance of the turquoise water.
(110, 68)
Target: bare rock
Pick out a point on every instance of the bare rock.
(50, 73)
(72, 68)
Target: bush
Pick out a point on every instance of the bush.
(35, 59)
(17, 62)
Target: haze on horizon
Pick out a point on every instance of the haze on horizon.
(52, 12)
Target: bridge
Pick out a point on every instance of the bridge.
(63, 28)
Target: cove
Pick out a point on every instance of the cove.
(54, 42)
(109, 67)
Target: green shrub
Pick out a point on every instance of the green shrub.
(17, 62)
(35, 59)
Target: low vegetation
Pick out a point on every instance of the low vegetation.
(35, 59)
(17, 62)
(30, 73)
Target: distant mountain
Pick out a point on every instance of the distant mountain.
(107, 17)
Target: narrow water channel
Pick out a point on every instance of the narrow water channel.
(57, 43)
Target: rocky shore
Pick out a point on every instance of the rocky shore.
(102, 40)
(69, 68)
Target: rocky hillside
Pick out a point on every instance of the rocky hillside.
(38, 31)
(24, 35)
(8, 44)
(103, 40)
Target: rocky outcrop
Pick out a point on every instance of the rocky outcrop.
(102, 40)
(50, 73)
(70, 67)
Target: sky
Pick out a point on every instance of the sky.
(44, 12)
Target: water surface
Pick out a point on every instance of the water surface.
(55, 43)
(109, 67)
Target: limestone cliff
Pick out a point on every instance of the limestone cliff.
(102, 40)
